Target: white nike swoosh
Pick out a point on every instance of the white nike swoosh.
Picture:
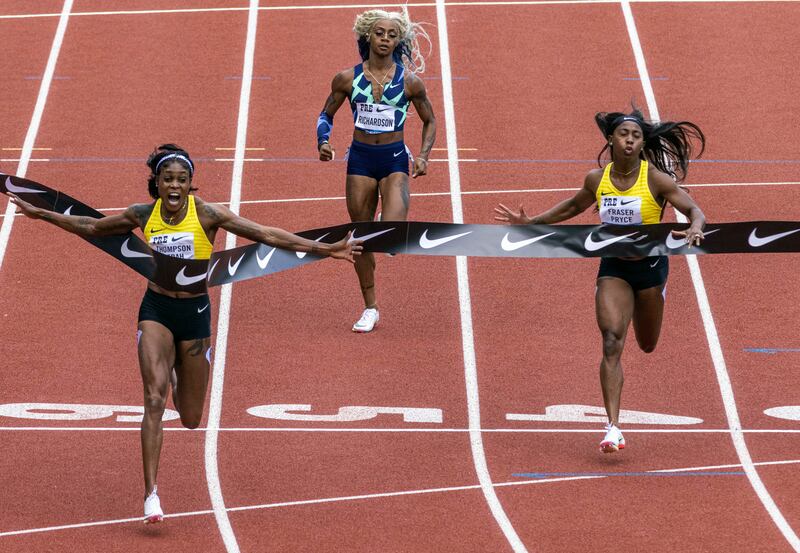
(21, 189)
(510, 246)
(264, 262)
(184, 280)
(201, 310)
(301, 255)
(211, 270)
(235, 267)
(398, 153)
(127, 252)
(757, 242)
(68, 211)
(593, 246)
(675, 243)
(368, 236)
(427, 243)
(656, 262)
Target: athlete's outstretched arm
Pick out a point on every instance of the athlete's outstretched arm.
(85, 226)
(219, 216)
(562, 211)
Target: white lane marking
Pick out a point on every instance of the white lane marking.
(717, 357)
(218, 380)
(36, 119)
(593, 430)
(362, 497)
(464, 301)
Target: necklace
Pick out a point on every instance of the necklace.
(171, 219)
(378, 83)
(613, 170)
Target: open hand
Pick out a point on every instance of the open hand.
(346, 249)
(692, 236)
(24, 207)
(507, 215)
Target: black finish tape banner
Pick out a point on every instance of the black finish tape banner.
(420, 238)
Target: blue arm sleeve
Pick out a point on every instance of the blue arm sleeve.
(324, 127)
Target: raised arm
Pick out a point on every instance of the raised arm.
(580, 202)
(86, 226)
(419, 97)
(213, 216)
(340, 89)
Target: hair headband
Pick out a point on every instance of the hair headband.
(175, 156)
(622, 118)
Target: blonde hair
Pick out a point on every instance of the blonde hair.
(410, 34)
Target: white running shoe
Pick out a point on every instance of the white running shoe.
(369, 318)
(152, 508)
(613, 441)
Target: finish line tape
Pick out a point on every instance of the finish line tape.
(419, 238)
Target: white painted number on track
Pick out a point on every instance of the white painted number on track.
(76, 412)
(593, 415)
(346, 414)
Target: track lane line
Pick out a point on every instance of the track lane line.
(714, 345)
(362, 497)
(36, 119)
(226, 293)
(464, 301)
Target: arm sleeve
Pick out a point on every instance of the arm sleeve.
(324, 127)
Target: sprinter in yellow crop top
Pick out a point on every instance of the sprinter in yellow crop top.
(647, 159)
(174, 332)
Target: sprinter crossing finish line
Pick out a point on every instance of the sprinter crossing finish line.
(419, 238)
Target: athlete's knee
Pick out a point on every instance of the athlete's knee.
(155, 403)
(612, 343)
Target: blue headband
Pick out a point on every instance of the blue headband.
(176, 156)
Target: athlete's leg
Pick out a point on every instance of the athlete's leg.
(191, 369)
(395, 197)
(614, 308)
(362, 201)
(648, 313)
(156, 359)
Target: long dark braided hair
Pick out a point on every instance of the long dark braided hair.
(668, 145)
(157, 156)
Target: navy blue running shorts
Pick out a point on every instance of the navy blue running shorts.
(377, 161)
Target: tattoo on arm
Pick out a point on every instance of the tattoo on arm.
(142, 213)
(213, 213)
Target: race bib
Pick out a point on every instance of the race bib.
(178, 244)
(621, 210)
(374, 117)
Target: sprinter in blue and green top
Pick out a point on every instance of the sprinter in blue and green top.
(647, 161)
(380, 90)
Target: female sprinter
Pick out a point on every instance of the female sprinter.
(646, 160)
(379, 91)
(174, 331)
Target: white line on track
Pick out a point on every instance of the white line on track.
(314, 7)
(400, 430)
(36, 119)
(363, 497)
(465, 303)
(715, 347)
(226, 293)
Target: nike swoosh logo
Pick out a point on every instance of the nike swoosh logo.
(379, 110)
(655, 263)
(21, 189)
(184, 280)
(153, 231)
(235, 267)
(368, 236)
(127, 252)
(301, 255)
(757, 242)
(605, 193)
(264, 262)
(201, 310)
(675, 243)
(510, 246)
(68, 211)
(427, 243)
(175, 238)
(593, 246)
(623, 202)
(211, 270)
(398, 153)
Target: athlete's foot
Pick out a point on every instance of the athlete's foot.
(367, 321)
(613, 440)
(152, 508)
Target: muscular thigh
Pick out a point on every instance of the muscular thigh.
(362, 197)
(192, 365)
(156, 350)
(395, 197)
(614, 301)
